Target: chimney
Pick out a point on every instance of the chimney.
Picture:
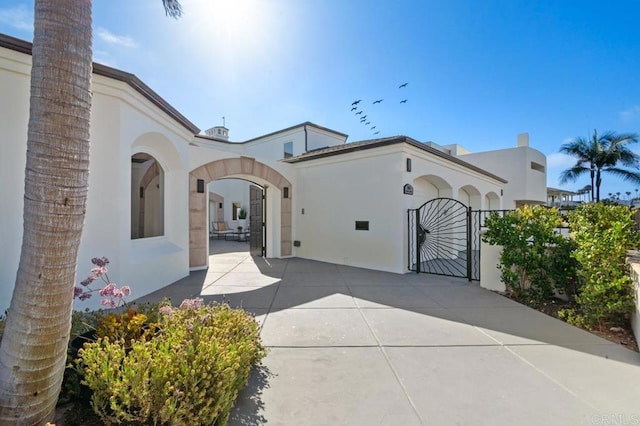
(523, 139)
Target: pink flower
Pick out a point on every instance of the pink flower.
(108, 290)
(108, 303)
(166, 310)
(99, 271)
(77, 292)
(126, 290)
(194, 303)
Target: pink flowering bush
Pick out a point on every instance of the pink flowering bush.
(113, 297)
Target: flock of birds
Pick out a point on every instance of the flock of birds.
(364, 118)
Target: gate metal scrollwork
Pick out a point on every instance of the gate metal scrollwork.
(441, 240)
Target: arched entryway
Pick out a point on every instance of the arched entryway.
(242, 168)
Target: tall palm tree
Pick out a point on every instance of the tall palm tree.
(34, 344)
(602, 154)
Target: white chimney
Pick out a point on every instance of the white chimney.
(523, 139)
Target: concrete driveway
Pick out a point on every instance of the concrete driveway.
(349, 346)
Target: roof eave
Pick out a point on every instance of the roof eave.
(134, 82)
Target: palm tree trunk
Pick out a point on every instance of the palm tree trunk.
(33, 349)
(592, 187)
(598, 182)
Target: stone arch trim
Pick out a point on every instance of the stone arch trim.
(230, 167)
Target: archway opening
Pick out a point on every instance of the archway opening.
(277, 206)
(147, 197)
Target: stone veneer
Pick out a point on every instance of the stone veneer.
(198, 221)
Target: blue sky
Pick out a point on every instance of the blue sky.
(478, 72)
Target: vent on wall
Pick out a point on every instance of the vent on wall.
(362, 225)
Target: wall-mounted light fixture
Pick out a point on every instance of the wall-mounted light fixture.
(219, 205)
(285, 192)
(408, 164)
(200, 188)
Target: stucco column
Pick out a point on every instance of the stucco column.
(198, 226)
(285, 226)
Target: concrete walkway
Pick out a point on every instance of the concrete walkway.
(349, 346)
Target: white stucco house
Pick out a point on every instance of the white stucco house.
(157, 184)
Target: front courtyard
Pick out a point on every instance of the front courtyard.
(357, 347)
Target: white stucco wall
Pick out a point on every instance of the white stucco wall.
(515, 165)
(14, 116)
(272, 146)
(122, 123)
(338, 191)
(368, 185)
(319, 138)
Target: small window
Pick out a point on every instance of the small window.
(288, 150)
(537, 166)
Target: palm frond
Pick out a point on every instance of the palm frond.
(624, 174)
(570, 175)
(172, 8)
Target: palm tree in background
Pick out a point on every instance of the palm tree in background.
(34, 344)
(606, 153)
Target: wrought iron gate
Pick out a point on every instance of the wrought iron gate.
(444, 239)
(257, 233)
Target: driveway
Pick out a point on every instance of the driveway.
(350, 346)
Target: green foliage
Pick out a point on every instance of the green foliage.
(534, 261)
(128, 325)
(87, 326)
(603, 235)
(189, 373)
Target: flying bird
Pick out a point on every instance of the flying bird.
(402, 85)
(354, 108)
(367, 123)
(362, 120)
(375, 133)
(373, 127)
(404, 101)
(359, 112)
(378, 101)
(364, 117)
(356, 102)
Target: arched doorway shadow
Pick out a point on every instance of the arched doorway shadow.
(242, 168)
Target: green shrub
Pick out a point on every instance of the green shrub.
(535, 260)
(189, 373)
(603, 235)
